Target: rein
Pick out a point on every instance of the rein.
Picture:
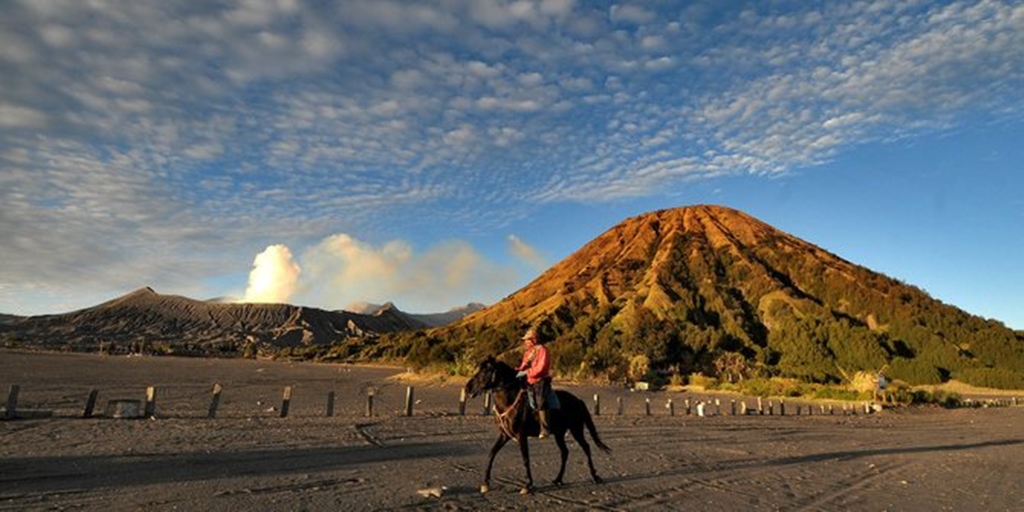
(506, 418)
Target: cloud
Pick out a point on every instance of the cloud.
(151, 142)
(341, 270)
(274, 276)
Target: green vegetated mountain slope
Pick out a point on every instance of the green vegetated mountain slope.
(710, 289)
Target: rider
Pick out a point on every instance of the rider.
(535, 367)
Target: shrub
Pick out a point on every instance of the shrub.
(914, 371)
(991, 378)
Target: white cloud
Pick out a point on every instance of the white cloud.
(16, 116)
(342, 270)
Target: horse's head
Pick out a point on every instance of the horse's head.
(490, 374)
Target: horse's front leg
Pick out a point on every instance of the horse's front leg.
(524, 448)
(502, 439)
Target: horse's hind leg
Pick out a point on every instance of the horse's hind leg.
(564, 451)
(577, 434)
(502, 439)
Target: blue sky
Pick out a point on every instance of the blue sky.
(434, 153)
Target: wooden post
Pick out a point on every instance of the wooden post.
(647, 406)
(732, 407)
(286, 400)
(618, 405)
(671, 408)
(369, 403)
(12, 401)
(782, 408)
(150, 410)
(771, 408)
(408, 400)
(214, 401)
(597, 404)
(462, 402)
(760, 406)
(90, 403)
(686, 405)
(718, 407)
(330, 404)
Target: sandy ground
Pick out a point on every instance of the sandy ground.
(250, 458)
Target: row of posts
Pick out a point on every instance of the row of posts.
(699, 407)
(128, 408)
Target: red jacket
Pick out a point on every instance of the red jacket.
(536, 363)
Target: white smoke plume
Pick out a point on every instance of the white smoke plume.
(274, 276)
(527, 253)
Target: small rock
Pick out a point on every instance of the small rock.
(432, 492)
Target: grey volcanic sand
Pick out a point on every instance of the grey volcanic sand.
(249, 458)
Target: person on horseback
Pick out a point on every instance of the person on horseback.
(536, 368)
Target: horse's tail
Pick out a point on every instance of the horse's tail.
(589, 422)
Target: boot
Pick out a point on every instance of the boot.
(543, 416)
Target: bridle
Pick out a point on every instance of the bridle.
(506, 418)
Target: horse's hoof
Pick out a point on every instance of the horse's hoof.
(484, 489)
(524, 491)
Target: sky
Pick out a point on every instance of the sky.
(433, 153)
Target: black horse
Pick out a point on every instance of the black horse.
(517, 421)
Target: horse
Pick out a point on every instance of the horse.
(516, 421)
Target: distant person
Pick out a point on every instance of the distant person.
(881, 387)
(536, 368)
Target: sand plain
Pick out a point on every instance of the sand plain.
(250, 458)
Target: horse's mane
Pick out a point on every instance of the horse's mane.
(505, 372)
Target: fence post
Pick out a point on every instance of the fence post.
(782, 408)
(150, 402)
(597, 404)
(647, 406)
(686, 405)
(90, 403)
(330, 404)
(671, 407)
(618, 405)
(286, 400)
(408, 400)
(12, 401)
(718, 407)
(369, 403)
(462, 402)
(732, 407)
(760, 406)
(214, 401)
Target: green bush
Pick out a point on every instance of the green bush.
(914, 371)
(991, 378)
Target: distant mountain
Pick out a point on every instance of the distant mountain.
(8, 319)
(144, 320)
(429, 319)
(710, 289)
